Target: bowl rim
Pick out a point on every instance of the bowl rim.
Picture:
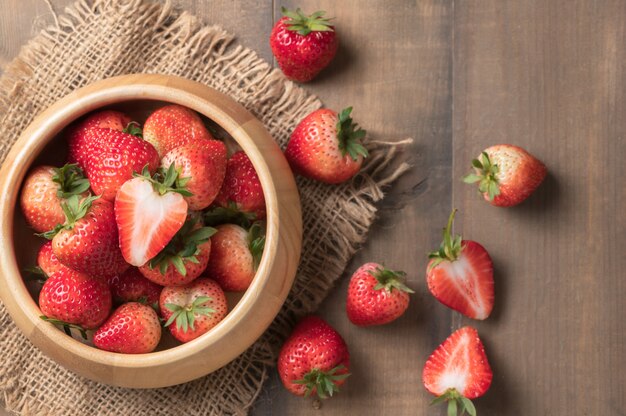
(52, 122)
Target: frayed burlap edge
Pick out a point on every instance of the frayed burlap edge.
(336, 218)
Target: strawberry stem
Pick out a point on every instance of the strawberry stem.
(165, 181)
(323, 383)
(389, 280)
(486, 174)
(66, 326)
(74, 209)
(185, 316)
(349, 135)
(133, 128)
(71, 180)
(457, 403)
(230, 214)
(302, 24)
(450, 247)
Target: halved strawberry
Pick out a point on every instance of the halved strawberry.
(460, 275)
(506, 174)
(115, 158)
(458, 371)
(149, 211)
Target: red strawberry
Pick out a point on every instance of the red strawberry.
(149, 212)
(132, 286)
(88, 241)
(115, 158)
(376, 295)
(79, 146)
(71, 297)
(194, 308)
(172, 126)
(43, 191)
(303, 45)
(184, 258)
(506, 174)
(133, 328)
(47, 261)
(235, 256)
(314, 359)
(242, 187)
(204, 163)
(458, 371)
(326, 146)
(460, 275)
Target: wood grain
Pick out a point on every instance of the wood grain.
(550, 77)
(459, 76)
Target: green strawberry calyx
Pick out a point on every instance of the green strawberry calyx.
(457, 403)
(450, 247)
(389, 280)
(302, 24)
(71, 180)
(166, 180)
(182, 248)
(74, 209)
(133, 128)
(230, 214)
(256, 242)
(323, 383)
(349, 135)
(66, 326)
(486, 174)
(185, 316)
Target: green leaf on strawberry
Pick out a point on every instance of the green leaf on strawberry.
(184, 316)
(323, 382)
(302, 24)
(350, 135)
(74, 209)
(450, 246)
(165, 180)
(256, 242)
(133, 128)
(66, 326)
(230, 214)
(71, 180)
(486, 176)
(390, 279)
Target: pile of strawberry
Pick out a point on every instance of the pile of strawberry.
(146, 228)
(315, 359)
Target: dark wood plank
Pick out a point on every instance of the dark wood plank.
(549, 76)
(394, 67)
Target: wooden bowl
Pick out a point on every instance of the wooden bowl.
(254, 310)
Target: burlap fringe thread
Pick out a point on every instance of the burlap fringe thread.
(104, 38)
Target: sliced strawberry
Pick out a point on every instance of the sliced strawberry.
(149, 212)
(458, 371)
(460, 275)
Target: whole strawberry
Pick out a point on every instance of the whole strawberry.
(71, 297)
(376, 295)
(506, 174)
(47, 261)
(44, 189)
(235, 256)
(133, 328)
(303, 45)
(149, 211)
(79, 146)
(314, 360)
(193, 309)
(115, 157)
(184, 258)
(458, 371)
(241, 188)
(88, 240)
(172, 126)
(204, 163)
(132, 286)
(326, 146)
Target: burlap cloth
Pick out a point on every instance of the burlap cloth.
(99, 39)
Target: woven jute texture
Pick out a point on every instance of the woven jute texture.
(100, 39)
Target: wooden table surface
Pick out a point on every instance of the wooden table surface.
(459, 76)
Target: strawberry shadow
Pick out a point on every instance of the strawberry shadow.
(501, 288)
(341, 63)
(545, 199)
